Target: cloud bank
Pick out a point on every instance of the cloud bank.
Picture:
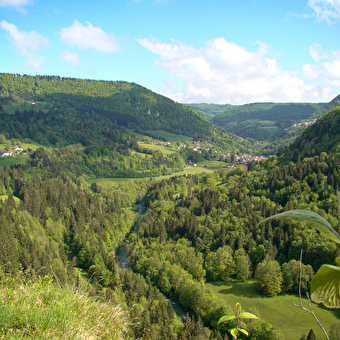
(224, 72)
(89, 37)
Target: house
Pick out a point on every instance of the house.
(4, 153)
(16, 148)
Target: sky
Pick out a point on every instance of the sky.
(203, 51)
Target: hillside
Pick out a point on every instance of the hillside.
(264, 121)
(323, 136)
(124, 104)
(326, 108)
(102, 122)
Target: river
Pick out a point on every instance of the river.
(121, 254)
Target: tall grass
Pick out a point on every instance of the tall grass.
(41, 309)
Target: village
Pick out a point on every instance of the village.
(207, 149)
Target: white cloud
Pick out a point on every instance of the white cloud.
(26, 43)
(17, 4)
(224, 72)
(328, 71)
(328, 10)
(89, 37)
(71, 57)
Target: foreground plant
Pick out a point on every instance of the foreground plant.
(238, 318)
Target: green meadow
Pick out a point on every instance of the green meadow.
(191, 170)
(8, 161)
(278, 311)
(21, 107)
(163, 149)
(213, 165)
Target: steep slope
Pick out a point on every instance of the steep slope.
(323, 136)
(328, 107)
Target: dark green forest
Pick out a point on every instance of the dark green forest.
(197, 228)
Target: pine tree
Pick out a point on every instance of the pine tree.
(311, 335)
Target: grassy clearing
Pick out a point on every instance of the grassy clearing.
(213, 165)
(279, 311)
(32, 145)
(43, 310)
(8, 161)
(192, 170)
(163, 149)
(22, 107)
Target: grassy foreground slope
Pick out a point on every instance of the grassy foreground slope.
(39, 309)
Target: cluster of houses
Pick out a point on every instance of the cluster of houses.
(15, 150)
(198, 146)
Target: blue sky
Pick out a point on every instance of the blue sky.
(213, 51)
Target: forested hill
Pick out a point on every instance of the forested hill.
(125, 104)
(322, 136)
(264, 121)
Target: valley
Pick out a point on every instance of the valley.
(97, 149)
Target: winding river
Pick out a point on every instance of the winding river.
(121, 254)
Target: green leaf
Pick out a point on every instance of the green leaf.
(325, 286)
(312, 219)
(234, 332)
(243, 331)
(225, 318)
(246, 315)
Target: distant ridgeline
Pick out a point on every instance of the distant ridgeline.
(126, 104)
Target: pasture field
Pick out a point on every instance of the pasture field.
(191, 170)
(33, 146)
(22, 107)
(213, 165)
(279, 311)
(163, 149)
(8, 161)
